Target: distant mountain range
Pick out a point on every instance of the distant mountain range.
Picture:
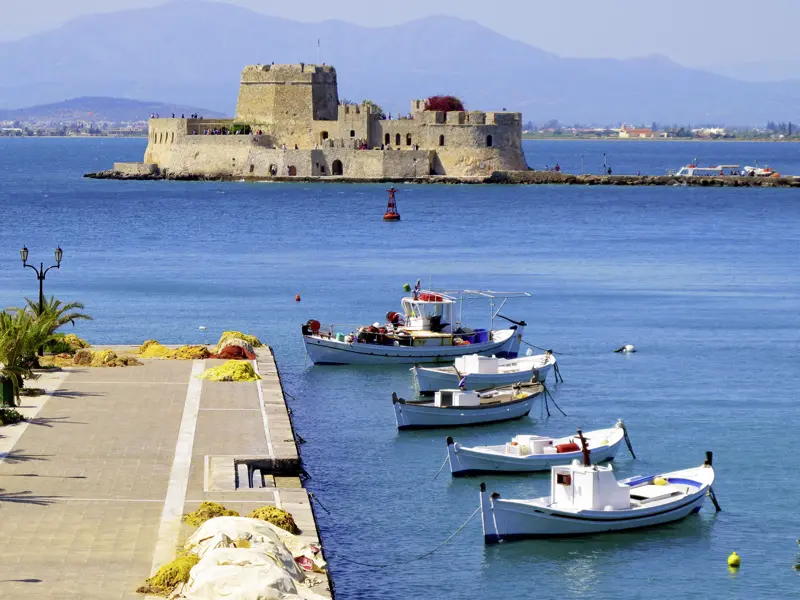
(93, 108)
(191, 53)
(760, 71)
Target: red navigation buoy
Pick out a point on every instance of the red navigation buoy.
(391, 213)
(297, 298)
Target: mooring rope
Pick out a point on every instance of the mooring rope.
(547, 395)
(545, 349)
(410, 560)
(441, 468)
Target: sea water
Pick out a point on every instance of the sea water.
(703, 281)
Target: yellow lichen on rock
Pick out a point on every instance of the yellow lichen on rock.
(250, 339)
(189, 353)
(206, 511)
(74, 342)
(169, 576)
(276, 516)
(233, 370)
(152, 349)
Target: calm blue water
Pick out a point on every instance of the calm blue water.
(703, 281)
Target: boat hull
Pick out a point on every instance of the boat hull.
(409, 416)
(329, 351)
(507, 520)
(428, 381)
(471, 461)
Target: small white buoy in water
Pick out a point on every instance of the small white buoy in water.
(529, 352)
(202, 327)
(627, 348)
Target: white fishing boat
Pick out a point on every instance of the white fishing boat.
(692, 170)
(480, 372)
(429, 330)
(760, 172)
(458, 408)
(588, 499)
(528, 453)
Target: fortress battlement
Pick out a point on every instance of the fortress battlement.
(289, 121)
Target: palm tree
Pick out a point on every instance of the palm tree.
(21, 333)
(58, 311)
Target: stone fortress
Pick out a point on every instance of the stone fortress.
(290, 123)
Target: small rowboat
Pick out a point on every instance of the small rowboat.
(588, 499)
(483, 372)
(458, 408)
(529, 453)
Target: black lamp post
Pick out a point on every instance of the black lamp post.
(41, 272)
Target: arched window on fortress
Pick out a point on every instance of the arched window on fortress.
(160, 138)
(408, 139)
(324, 135)
(441, 140)
(397, 140)
(387, 139)
(488, 141)
(352, 133)
(172, 138)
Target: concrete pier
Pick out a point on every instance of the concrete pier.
(93, 485)
(499, 177)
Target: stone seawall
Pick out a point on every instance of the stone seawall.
(498, 177)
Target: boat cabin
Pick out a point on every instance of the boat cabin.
(695, 171)
(428, 311)
(588, 488)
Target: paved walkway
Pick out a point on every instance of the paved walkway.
(93, 486)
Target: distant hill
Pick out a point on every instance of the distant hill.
(193, 52)
(760, 71)
(98, 108)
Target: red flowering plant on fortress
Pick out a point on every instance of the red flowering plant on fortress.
(443, 103)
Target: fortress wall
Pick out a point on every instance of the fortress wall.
(202, 154)
(259, 160)
(135, 169)
(413, 163)
(401, 127)
(484, 161)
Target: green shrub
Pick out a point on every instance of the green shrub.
(9, 416)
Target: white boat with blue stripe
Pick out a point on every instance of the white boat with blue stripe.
(429, 330)
(459, 408)
(587, 499)
(530, 453)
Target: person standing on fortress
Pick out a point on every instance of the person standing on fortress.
(557, 168)
(173, 115)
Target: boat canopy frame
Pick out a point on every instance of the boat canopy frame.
(491, 295)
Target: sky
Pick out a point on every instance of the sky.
(694, 33)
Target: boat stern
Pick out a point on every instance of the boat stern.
(452, 458)
(490, 533)
(397, 404)
(511, 347)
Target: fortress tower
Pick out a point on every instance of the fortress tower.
(286, 98)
